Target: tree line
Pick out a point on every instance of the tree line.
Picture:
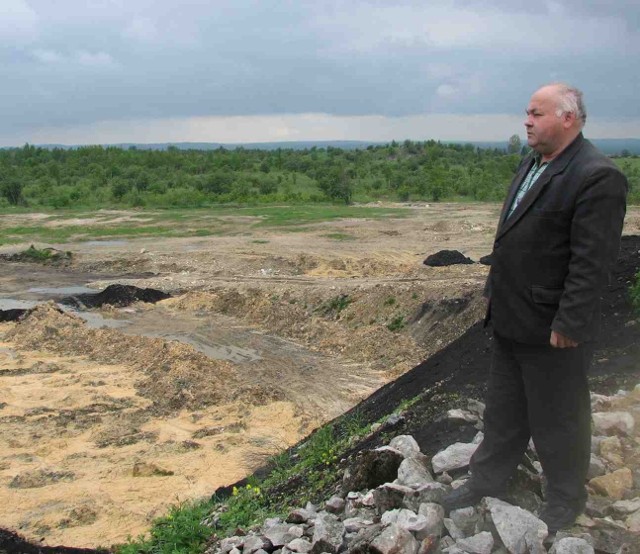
(98, 177)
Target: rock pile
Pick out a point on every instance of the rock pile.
(372, 514)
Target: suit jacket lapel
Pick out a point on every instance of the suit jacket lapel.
(555, 166)
(513, 189)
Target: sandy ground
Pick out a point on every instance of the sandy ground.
(269, 334)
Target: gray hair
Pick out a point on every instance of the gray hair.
(570, 101)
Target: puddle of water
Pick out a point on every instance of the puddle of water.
(116, 242)
(12, 304)
(63, 291)
(97, 321)
(214, 350)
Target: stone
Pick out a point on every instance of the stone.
(434, 514)
(465, 519)
(299, 515)
(462, 416)
(626, 506)
(596, 467)
(328, 534)
(633, 522)
(609, 423)
(598, 506)
(413, 473)
(430, 492)
(453, 457)
(360, 543)
(599, 402)
(611, 451)
(299, 545)
(335, 505)
(455, 531)
(415, 523)
(254, 543)
(563, 534)
(482, 543)
(235, 551)
(613, 485)
(394, 540)
(372, 468)
(282, 533)
(405, 444)
(390, 496)
(429, 545)
(520, 531)
(355, 524)
(571, 545)
(228, 544)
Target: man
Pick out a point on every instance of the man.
(558, 236)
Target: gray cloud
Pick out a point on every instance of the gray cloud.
(67, 65)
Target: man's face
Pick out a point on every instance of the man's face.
(545, 130)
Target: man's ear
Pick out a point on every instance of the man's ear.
(568, 119)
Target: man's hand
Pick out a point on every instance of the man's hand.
(560, 341)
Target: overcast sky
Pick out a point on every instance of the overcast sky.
(105, 71)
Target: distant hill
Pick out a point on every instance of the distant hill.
(608, 146)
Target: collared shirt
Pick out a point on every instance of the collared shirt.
(536, 170)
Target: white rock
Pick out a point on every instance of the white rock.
(413, 473)
(627, 506)
(633, 522)
(453, 457)
(599, 401)
(520, 531)
(478, 438)
(455, 532)
(434, 514)
(394, 540)
(482, 543)
(606, 423)
(405, 444)
(596, 467)
(462, 415)
(465, 519)
(300, 545)
(571, 545)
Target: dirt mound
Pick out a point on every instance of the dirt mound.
(115, 295)
(175, 375)
(446, 257)
(389, 327)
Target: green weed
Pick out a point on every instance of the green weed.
(339, 236)
(181, 531)
(396, 323)
(334, 306)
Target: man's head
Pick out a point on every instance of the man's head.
(555, 117)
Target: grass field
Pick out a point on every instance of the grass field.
(73, 225)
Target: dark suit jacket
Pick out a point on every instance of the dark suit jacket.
(551, 258)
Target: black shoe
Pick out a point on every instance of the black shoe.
(465, 496)
(559, 516)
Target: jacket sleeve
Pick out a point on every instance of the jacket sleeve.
(596, 227)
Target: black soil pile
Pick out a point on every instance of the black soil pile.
(12, 315)
(12, 543)
(447, 257)
(115, 295)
